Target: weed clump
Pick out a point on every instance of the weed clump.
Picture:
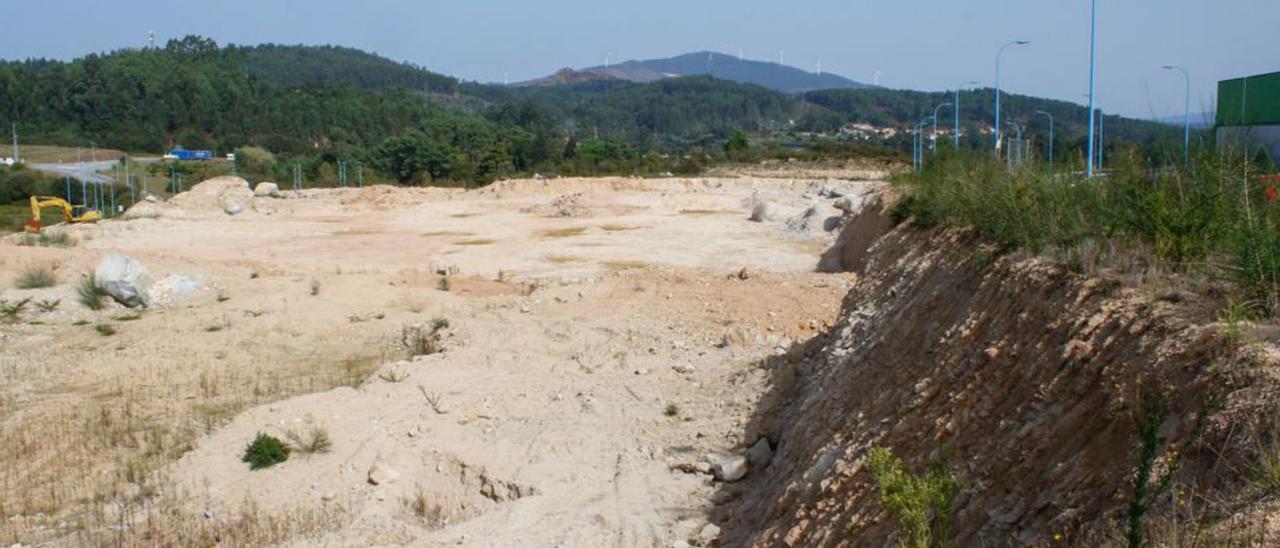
(47, 239)
(920, 503)
(90, 295)
(36, 277)
(105, 329)
(264, 452)
(11, 312)
(422, 340)
(314, 440)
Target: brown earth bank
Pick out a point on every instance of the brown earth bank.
(1037, 386)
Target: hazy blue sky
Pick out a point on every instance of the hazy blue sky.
(925, 44)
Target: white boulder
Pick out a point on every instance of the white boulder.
(124, 278)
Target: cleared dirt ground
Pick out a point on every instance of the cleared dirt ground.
(599, 335)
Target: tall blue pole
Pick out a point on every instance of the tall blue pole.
(1186, 112)
(998, 54)
(1093, 60)
(933, 139)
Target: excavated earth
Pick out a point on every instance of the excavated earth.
(622, 362)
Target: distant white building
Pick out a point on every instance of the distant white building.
(7, 161)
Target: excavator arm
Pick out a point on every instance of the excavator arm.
(39, 203)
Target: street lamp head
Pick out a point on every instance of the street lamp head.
(1022, 42)
(1168, 67)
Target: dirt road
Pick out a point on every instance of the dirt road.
(605, 336)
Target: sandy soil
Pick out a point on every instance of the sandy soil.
(585, 358)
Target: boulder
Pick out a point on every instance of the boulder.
(760, 454)
(728, 469)
(232, 207)
(124, 278)
(709, 534)
(171, 289)
(848, 204)
(266, 190)
(381, 474)
(764, 211)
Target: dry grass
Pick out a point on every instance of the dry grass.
(618, 228)
(703, 212)
(567, 232)
(476, 241)
(562, 259)
(442, 233)
(36, 277)
(620, 265)
(98, 447)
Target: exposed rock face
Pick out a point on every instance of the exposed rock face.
(1028, 378)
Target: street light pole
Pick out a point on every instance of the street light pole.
(933, 139)
(1093, 58)
(1186, 112)
(1050, 116)
(955, 135)
(998, 54)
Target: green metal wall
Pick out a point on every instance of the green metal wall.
(1249, 101)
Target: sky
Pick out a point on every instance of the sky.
(923, 44)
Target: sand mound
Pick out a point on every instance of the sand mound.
(215, 196)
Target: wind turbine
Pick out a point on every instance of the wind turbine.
(606, 59)
(819, 67)
(876, 78)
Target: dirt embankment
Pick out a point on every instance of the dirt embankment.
(1029, 381)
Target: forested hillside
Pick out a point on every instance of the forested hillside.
(317, 104)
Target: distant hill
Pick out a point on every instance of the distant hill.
(293, 66)
(725, 67)
(1199, 120)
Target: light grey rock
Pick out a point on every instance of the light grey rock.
(729, 469)
(381, 474)
(123, 278)
(266, 190)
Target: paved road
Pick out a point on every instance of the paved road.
(87, 171)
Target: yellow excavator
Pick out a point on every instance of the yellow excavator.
(72, 213)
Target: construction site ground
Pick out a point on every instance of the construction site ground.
(603, 337)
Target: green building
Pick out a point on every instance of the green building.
(1249, 113)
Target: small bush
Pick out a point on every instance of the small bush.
(314, 440)
(48, 305)
(10, 312)
(47, 239)
(105, 329)
(315, 287)
(445, 283)
(36, 277)
(265, 451)
(393, 376)
(920, 503)
(672, 410)
(90, 295)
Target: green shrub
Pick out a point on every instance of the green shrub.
(920, 503)
(1213, 214)
(265, 451)
(90, 295)
(36, 277)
